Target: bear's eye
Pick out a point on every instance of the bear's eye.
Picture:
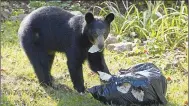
(100, 31)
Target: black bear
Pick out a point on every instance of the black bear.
(50, 29)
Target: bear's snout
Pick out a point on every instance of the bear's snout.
(101, 46)
(100, 42)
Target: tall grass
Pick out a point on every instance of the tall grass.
(166, 27)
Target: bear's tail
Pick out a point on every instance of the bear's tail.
(27, 36)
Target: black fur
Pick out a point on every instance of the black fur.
(50, 29)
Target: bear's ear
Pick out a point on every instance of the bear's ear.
(89, 17)
(109, 18)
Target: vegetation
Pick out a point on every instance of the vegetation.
(66, 5)
(165, 29)
(158, 24)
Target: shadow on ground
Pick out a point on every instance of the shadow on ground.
(65, 96)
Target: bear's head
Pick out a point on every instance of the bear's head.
(97, 29)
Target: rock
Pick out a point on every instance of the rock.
(15, 5)
(76, 12)
(111, 47)
(30, 10)
(19, 17)
(128, 39)
(137, 41)
(143, 43)
(5, 14)
(14, 18)
(22, 16)
(25, 8)
(120, 47)
(9, 6)
(111, 39)
(4, 4)
(133, 34)
(119, 37)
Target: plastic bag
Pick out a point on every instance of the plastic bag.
(142, 84)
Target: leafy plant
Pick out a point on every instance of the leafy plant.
(16, 12)
(167, 25)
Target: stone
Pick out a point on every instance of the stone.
(4, 4)
(133, 34)
(143, 43)
(119, 37)
(76, 12)
(5, 14)
(19, 17)
(111, 40)
(121, 47)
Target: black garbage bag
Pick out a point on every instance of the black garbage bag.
(142, 84)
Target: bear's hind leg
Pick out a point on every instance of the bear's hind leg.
(41, 62)
(50, 60)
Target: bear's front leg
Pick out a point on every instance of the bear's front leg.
(75, 69)
(76, 74)
(97, 62)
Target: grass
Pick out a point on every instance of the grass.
(66, 5)
(20, 85)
